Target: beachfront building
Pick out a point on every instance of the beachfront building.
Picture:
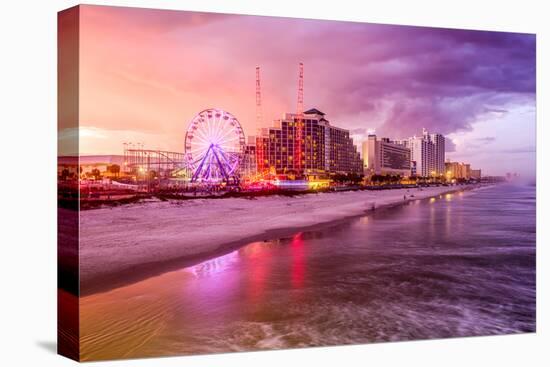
(427, 153)
(325, 149)
(438, 141)
(475, 174)
(421, 155)
(343, 156)
(262, 151)
(384, 157)
(248, 165)
(276, 146)
(465, 171)
(458, 170)
(453, 170)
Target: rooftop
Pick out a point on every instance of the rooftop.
(313, 111)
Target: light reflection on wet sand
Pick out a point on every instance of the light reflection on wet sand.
(447, 267)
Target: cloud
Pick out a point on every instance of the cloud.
(444, 80)
(154, 70)
(359, 131)
(496, 110)
(450, 145)
(486, 139)
(520, 150)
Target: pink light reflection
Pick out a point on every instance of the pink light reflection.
(260, 265)
(214, 267)
(298, 269)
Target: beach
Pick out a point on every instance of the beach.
(459, 264)
(120, 245)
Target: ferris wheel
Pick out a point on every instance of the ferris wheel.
(214, 145)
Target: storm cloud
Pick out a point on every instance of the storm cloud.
(152, 71)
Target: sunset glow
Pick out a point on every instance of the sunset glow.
(145, 73)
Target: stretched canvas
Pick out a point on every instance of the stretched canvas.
(240, 183)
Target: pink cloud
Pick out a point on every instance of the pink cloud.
(152, 70)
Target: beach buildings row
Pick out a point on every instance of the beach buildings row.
(422, 155)
(324, 149)
(459, 170)
(327, 149)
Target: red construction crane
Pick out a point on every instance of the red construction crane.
(260, 160)
(299, 128)
(258, 99)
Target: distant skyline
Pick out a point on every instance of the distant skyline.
(145, 73)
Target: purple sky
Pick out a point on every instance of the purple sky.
(145, 73)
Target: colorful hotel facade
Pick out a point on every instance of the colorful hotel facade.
(325, 149)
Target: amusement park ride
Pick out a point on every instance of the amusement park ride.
(215, 141)
(214, 146)
(214, 149)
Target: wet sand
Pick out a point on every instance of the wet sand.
(452, 265)
(120, 246)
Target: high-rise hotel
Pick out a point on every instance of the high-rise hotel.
(384, 157)
(427, 154)
(325, 149)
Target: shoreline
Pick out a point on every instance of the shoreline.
(104, 267)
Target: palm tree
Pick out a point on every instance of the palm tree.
(114, 169)
(96, 174)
